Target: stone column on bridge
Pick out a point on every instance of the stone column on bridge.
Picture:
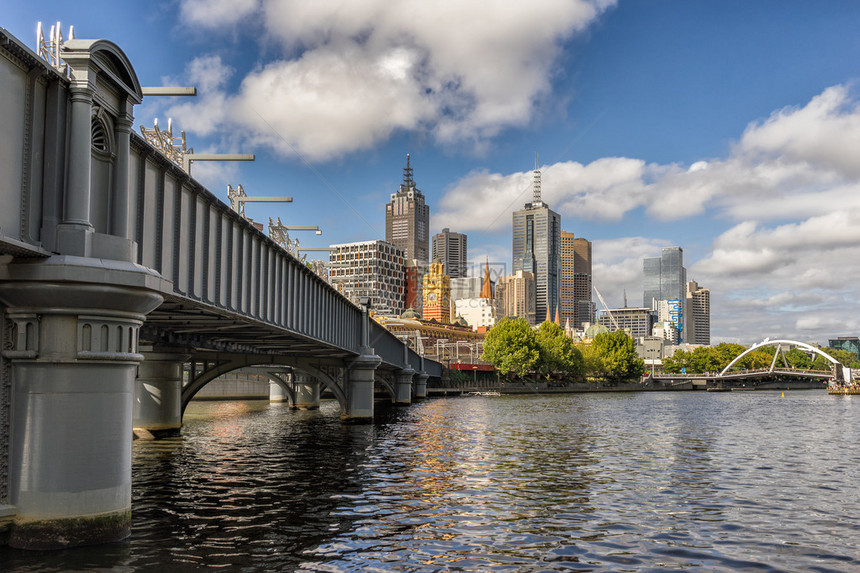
(73, 359)
(158, 394)
(421, 385)
(360, 376)
(307, 392)
(403, 386)
(74, 234)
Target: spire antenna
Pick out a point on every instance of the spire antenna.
(536, 200)
(407, 175)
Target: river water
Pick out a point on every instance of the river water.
(743, 481)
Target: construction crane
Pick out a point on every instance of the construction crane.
(606, 308)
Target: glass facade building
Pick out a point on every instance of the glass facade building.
(537, 250)
(665, 279)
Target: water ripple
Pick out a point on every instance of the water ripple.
(627, 482)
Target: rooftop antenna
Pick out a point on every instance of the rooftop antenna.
(407, 176)
(536, 201)
(625, 298)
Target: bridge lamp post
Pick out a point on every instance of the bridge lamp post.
(421, 340)
(189, 158)
(438, 342)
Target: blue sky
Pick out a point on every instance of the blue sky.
(729, 128)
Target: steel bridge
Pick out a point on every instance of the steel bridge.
(125, 287)
(732, 376)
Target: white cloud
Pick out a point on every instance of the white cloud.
(791, 185)
(216, 13)
(825, 133)
(352, 73)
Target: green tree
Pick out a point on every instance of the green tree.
(703, 359)
(846, 357)
(618, 353)
(757, 359)
(677, 363)
(511, 346)
(725, 352)
(593, 361)
(558, 355)
(798, 358)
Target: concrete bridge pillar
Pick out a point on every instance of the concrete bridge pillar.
(277, 393)
(359, 389)
(307, 392)
(158, 395)
(73, 360)
(421, 385)
(403, 386)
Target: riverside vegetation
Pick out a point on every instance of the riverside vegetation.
(518, 352)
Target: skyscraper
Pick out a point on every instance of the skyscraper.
(537, 250)
(698, 314)
(450, 248)
(665, 279)
(575, 284)
(407, 219)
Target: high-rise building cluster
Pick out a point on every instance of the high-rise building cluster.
(550, 276)
(673, 308)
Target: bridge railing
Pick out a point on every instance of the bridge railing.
(216, 257)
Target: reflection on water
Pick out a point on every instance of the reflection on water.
(626, 482)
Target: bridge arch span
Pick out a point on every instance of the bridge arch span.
(224, 365)
(778, 342)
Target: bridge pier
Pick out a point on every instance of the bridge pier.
(158, 395)
(421, 385)
(307, 392)
(359, 389)
(277, 393)
(403, 386)
(73, 359)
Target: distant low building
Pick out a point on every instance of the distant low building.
(637, 322)
(849, 343)
(466, 287)
(369, 270)
(415, 285)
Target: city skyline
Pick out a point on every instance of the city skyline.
(725, 128)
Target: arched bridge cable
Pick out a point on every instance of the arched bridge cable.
(777, 343)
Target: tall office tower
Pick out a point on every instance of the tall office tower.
(698, 314)
(537, 249)
(575, 284)
(369, 269)
(665, 278)
(450, 248)
(515, 296)
(407, 219)
(437, 294)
